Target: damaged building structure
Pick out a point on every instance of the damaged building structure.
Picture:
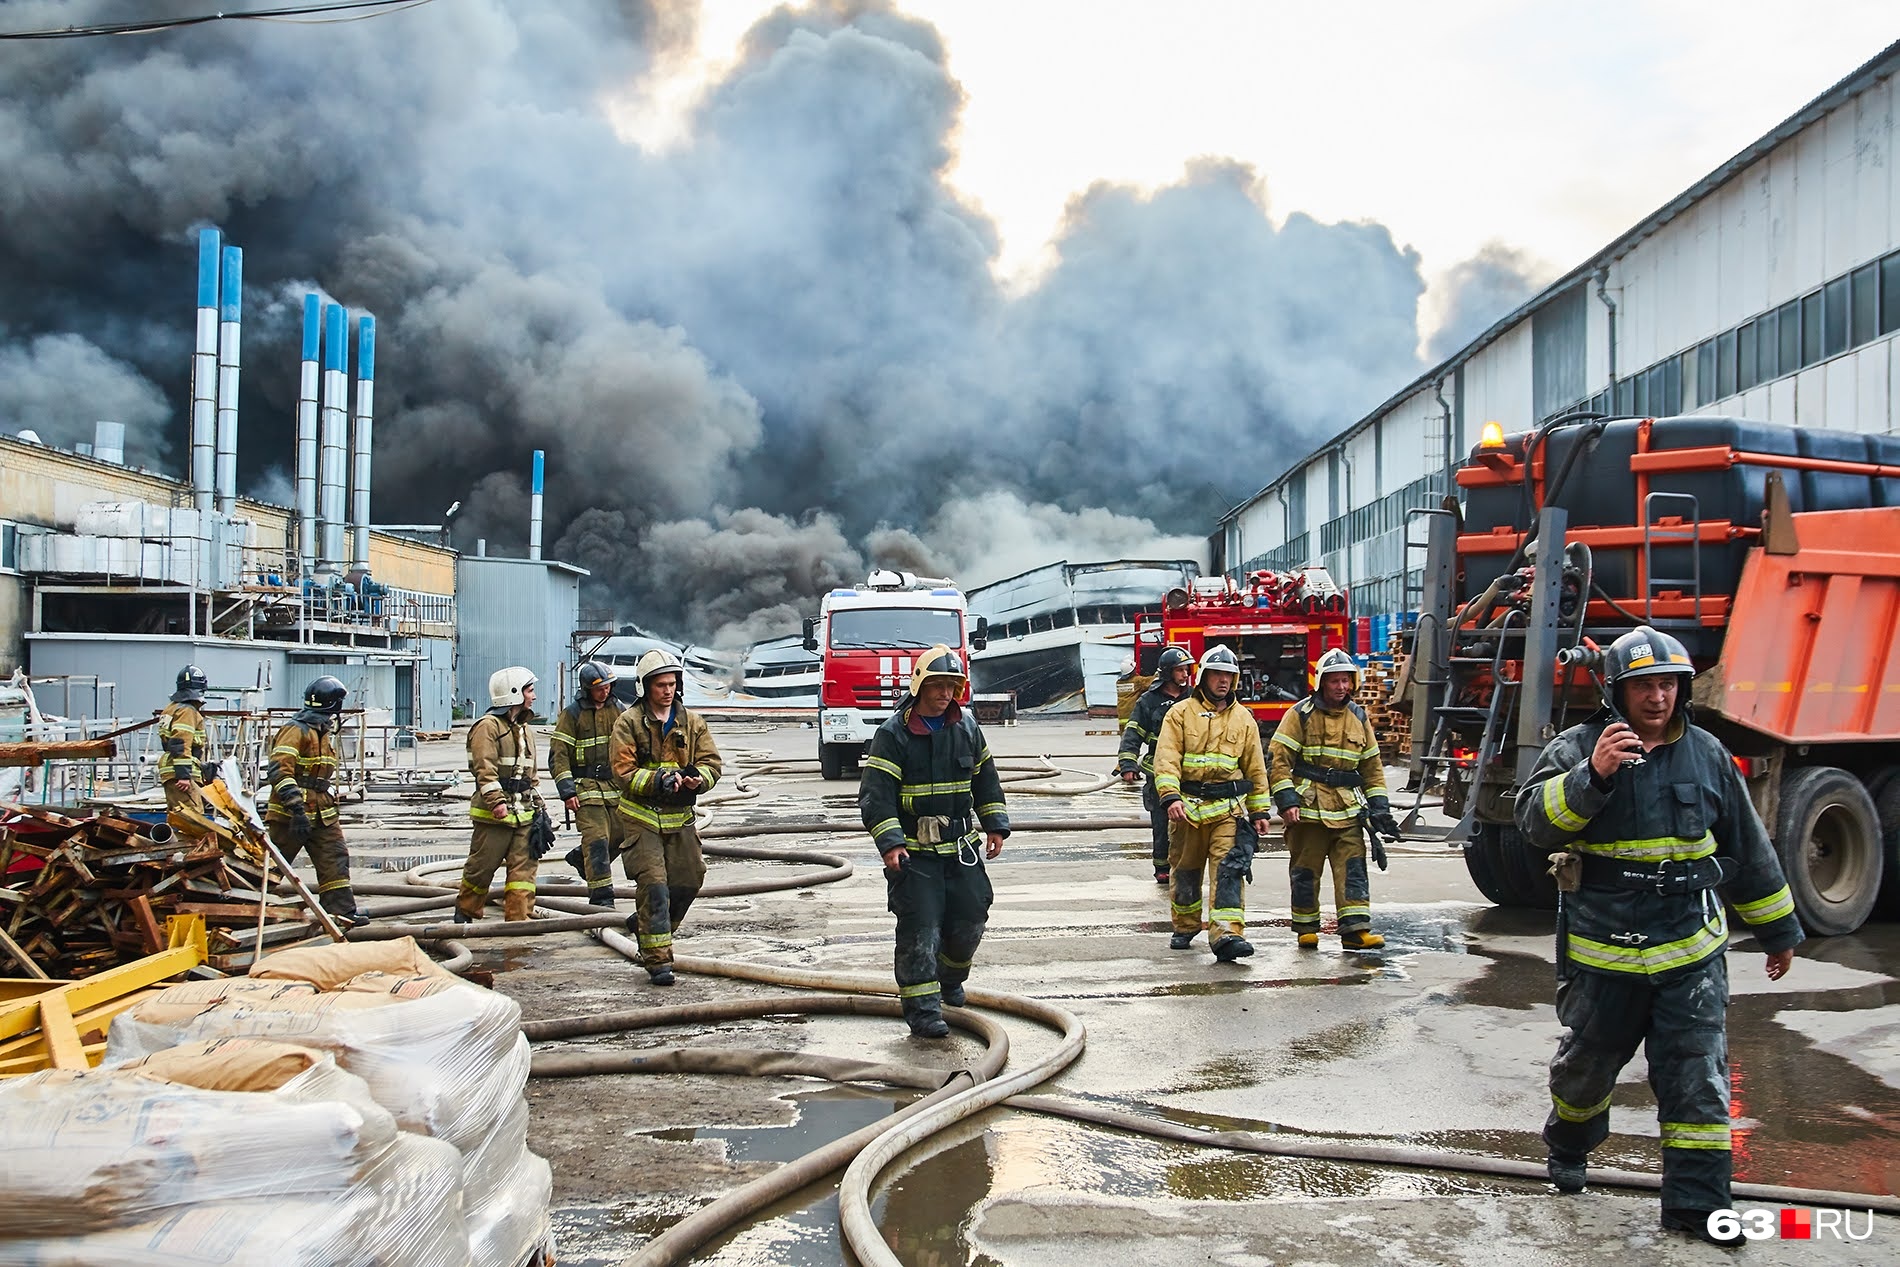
(1769, 289)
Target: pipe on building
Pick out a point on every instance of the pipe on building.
(230, 318)
(204, 373)
(334, 465)
(1438, 394)
(1609, 304)
(108, 442)
(1346, 547)
(307, 435)
(360, 437)
(1286, 517)
(534, 509)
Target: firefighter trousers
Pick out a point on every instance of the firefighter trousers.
(1157, 822)
(667, 870)
(328, 855)
(491, 846)
(1680, 1021)
(942, 906)
(1227, 846)
(602, 831)
(1311, 848)
(190, 798)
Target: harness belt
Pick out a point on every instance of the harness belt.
(1331, 778)
(1216, 791)
(599, 771)
(314, 785)
(1655, 877)
(517, 785)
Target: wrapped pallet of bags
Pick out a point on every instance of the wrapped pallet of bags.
(232, 1152)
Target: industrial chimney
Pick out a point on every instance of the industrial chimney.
(204, 372)
(360, 437)
(334, 465)
(230, 302)
(534, 510)
(307, 436)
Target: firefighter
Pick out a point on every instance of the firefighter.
(1655, 824)
(1211, 777)
(1174, 670)
(1328, 779)
(663, 756)
(501, 757)
(577, 758)
(933, 803)
(303, 811)
(183, 745)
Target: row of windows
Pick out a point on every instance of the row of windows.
(1855, 308)
(1384, 515)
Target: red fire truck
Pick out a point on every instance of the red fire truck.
(869, 638)
(1277, 624)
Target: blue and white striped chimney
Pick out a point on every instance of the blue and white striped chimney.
(334, 466)
(360, 436)
(230, 314)
(307, 435)
(534, 508)
(204, 373)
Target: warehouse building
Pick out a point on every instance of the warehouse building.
(1769, 289)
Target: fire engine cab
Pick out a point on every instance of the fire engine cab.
(868, 639)
(1277, 624)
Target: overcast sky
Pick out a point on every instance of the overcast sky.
(1459, 123)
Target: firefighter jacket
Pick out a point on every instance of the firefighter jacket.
(1209, 759)
(1326, 763)
(1655, 842)
(641, 748)
(183, 744)
(501, 757)
(914, 776)
(303, 761)
(577, 751)
(1144, 729)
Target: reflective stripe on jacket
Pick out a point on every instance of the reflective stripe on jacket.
(1330, 739)
(640, 748)
(912, 772)
(1685, 801)
(582, 735)
(500, 748)
(1200, 743)
(182, 743)
(1143, 731)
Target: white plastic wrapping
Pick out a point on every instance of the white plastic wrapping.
(514, 1218)
(491, 1163)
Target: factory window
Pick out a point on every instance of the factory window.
(1626, 396)
(1639, 393)
(1810, 329)
(1834, 317)
(1789, 319)
(1767, 348)
(1864, 308)
(1725, 364)
(1670, 375)
(1705, 372)
(1890, 293)
(1745, 371)
(9, 546)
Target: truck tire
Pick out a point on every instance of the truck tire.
(1828, 836)
(1507, 870)
(1885, 788)
(831, 760)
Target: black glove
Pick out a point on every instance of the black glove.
(669, 782)
(1378, 851)
(540, 834)
(1386, 825)
(566, 789)
(300, 828)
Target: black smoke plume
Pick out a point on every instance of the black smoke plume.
(760, 361)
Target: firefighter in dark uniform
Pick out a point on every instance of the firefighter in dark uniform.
(303, 811)
(933, 803)
(577, 758)
(1329, 782)
(1655, 826)
(183, 745)
(1174, 671)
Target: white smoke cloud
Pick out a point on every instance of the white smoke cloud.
(60, 385)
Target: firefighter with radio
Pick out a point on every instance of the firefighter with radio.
(1174, 672)
(1329, 786)
(933, 803)
(302, 814)
(506, 804)
(1211, 778)
(663, 757)
(1655, 826)
(183, 745)
(577, 759)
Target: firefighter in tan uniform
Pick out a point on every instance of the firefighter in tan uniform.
(663, 757)
(183, 745)
(303, 810)
(1328, 781)
(1211, 777)
(501, 757)
(577, 758)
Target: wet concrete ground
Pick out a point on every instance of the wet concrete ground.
(1440, 1041)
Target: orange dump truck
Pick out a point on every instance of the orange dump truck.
(1772, 552)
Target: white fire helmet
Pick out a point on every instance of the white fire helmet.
(1217, 659)
(506, 686)
(1335, 661)
(655, 662)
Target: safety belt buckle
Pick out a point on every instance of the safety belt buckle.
(970, 847)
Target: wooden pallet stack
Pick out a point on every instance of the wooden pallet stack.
(1393, 727)
(81, 895)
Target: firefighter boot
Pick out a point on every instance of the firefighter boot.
(1361, 939)
(1181, 941)
(1696, 1224)
(517, 904)
(600, 874)
(1567, 1172)
(1161, 876)
(1230, 948)
(573, 859)
(1309, 941)
(469, 904)
(925, 1019)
